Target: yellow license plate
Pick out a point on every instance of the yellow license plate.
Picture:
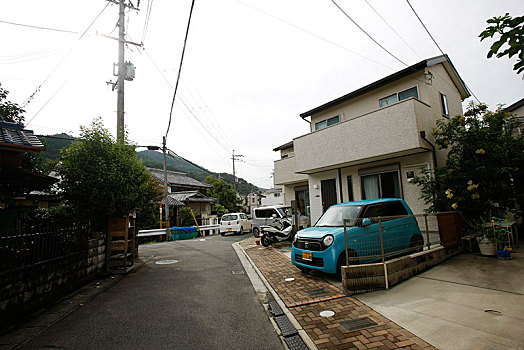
(230, 229)
(307, 256)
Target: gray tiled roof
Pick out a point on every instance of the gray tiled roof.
(14, 134)
(175, 178)
(192, 196)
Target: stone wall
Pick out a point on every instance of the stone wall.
(363, 278)
(29, 288)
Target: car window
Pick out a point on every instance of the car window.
(395, 209)
(373, 211)
(334, 216)
(263, 213)
(229, 217)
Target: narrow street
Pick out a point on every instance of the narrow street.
(204, 300)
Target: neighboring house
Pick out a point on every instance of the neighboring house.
(186, 191)
(252, 201)
(15, 181)
(371, 142)
(273, 196)
(194, 200)
(517, 109)
(178, 182)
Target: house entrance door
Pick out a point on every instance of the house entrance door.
(329, 193)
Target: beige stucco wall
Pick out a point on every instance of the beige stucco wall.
(388, 131)
(411, 192)
(285, 172)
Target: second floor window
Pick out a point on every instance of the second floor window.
(396, 97)
(444, 102)
(328, 122)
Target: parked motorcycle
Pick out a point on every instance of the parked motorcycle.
(280, 231)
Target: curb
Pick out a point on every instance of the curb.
(302, 333)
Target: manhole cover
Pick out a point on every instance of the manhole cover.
(493, 312)
(327, 313)
(359, 323)
(315, 292)
(166, 262)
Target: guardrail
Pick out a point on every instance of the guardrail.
(164, 231)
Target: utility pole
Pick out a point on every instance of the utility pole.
(120, 81)
(164, 150)
(126, 70)
(235, 157)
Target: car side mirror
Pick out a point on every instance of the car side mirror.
(366, 222)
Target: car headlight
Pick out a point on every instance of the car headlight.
(327, 240)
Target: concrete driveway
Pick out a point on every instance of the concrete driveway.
(467, 302)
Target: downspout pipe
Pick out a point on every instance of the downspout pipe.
(433, 149)
(435, 164)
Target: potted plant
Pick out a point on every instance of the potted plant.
(485, 236)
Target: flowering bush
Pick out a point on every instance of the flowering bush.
(484, 170)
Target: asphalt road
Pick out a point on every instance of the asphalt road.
(204, 301)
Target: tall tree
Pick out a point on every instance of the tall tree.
(10, 112)
(101, 177)
(511, 31)
(224, 193)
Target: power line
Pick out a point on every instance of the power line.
(431, 36)
(63, 58)
(369, 36)
(38, 27)
(390, 27)
(427, 31)
(314, 35)
(146, 22)
(180, 66)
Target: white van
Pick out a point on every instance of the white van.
(268, 215)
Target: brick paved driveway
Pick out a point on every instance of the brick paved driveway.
(306, 296)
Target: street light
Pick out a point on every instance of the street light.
(164, 149)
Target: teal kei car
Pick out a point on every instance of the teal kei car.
(321, 247)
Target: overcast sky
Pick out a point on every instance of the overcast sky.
(251, 66)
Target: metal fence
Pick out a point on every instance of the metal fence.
(33, 242)
(378, 239)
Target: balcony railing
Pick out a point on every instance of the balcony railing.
(381, 134)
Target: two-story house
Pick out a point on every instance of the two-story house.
(371, 142)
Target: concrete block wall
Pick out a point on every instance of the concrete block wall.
(363, 278)
(32, 287)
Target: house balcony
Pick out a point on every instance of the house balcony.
(285, 172)
(386, 133)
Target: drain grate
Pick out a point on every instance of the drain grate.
(275, 309)
(359, 323)
(285, 326)
(294, 342)
(316, 292)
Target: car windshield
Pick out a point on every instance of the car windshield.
(229, 217)
(286, 211)
(334, 216)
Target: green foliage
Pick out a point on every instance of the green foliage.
(101, 177)
(148, 216)
(185, 218)
(10, 112)
(219, 210)
(484, 170)
(511, 31)
(223, 192)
